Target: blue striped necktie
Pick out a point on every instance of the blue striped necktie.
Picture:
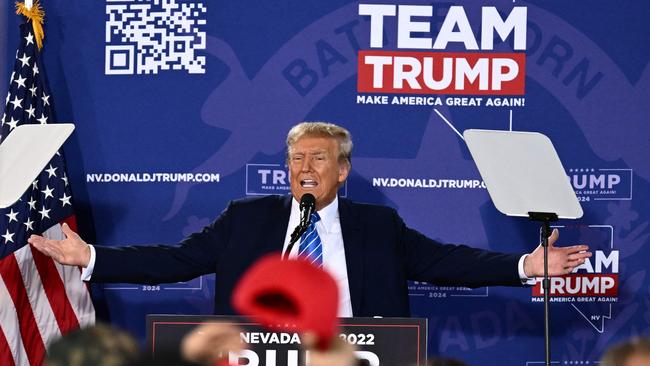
(311, 247)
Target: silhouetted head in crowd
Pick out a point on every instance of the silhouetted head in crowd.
(99, 345)
(635, 352)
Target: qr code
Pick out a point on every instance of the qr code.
(146, 36)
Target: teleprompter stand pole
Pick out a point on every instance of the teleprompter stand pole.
(545, 218)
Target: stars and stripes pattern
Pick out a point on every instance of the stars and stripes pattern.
(39, 299)
(311, 247)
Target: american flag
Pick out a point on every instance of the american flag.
(39, 299)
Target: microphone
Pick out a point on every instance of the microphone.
(307, 207)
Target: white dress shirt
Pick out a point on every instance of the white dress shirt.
(329, 231)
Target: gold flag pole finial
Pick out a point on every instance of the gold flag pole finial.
(35, 14)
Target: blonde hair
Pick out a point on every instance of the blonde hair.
(323, 129)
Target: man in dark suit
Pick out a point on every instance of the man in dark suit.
(368, 249)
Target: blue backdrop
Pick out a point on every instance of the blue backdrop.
(181, 106)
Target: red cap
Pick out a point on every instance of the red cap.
(292, 295)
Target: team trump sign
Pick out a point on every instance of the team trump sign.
(474, 70)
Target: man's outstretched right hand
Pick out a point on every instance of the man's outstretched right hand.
(72, 250)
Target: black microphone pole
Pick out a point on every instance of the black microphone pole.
(307, 207)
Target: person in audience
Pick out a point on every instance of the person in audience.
(98, 345)
(210, 343)
(634, 352)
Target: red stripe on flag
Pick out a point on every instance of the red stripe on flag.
(71, 221)
(28, 329)
(5, 351)
(55, 291)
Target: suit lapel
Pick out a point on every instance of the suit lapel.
(277, 222)
(354, 248)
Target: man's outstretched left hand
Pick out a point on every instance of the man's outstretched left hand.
(561, 261)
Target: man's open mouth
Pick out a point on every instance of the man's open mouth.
(308, 183)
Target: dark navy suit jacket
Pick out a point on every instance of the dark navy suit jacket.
(381, 253)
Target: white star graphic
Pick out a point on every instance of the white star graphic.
(20, 81)
(35, 69)
(51, 171)
(32, 203)
(28, 224)
(24, 60)
(29, 39)
(9, 237)
(35, 184)
(46, 99)
(16, 102)
(31, 111)
(48, 191)
(12, 215)
(44, 213)
(65, 200)
(12, 124)
(33, 90)
(43, 119)
(65, 179)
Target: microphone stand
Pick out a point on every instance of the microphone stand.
(545, 218)
(297, 233)
(307, 208)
